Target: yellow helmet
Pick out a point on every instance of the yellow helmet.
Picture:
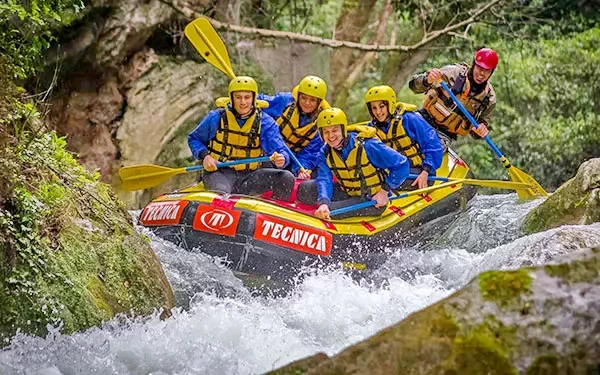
(313, 86)
(243, 83)
(384, 93)
(332, 116)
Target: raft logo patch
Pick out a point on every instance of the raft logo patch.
(291, 235)
(162, 213)
(216, 220)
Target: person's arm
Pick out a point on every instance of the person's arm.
(277, 103)
(199, 138)
(419, 131)
(270, 138)
(308, 155)
(384, 157)
(324, 180)
(418, 83)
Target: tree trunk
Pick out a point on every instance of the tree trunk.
(350, 25)
(356, 70)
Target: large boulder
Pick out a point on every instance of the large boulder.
(577, 201)
(542, 320)
(69, 255)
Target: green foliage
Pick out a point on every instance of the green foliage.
(26, 30)
(25, 216)
(312, 17)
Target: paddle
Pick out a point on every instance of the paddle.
(208, 43)
(403, 195)
(203, 36)
(535, 189)
(139, 177)
(496, 184)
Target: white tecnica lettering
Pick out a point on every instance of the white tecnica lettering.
(277, 230)
(285, 234)
(216, 219)
(161, 211)
(267, 225)
(294, 236)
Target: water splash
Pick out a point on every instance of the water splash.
(226, 329)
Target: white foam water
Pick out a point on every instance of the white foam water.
(226, 329)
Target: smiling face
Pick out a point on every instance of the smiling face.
(333, 135)
(242, 102)
(308, 104)
(379, 109)
(480, 75)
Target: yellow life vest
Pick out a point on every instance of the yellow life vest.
(444, 111)
(356, 175)
(233, 142)
(296, 137)
(397, 138)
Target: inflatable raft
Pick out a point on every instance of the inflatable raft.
(262, 237)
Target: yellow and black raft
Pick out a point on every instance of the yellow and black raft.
(260, 236)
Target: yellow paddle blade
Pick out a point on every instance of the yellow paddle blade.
(139, 177)
(535, 190)
(209, 44)
(497, 184)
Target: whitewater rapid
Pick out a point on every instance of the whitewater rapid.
(226, 329)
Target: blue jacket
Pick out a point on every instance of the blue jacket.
(270, 139)
(277, 104)
(422, 133)
(380, 155)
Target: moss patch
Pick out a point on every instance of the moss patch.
(504, 287)
(546, 364)
(577, 271)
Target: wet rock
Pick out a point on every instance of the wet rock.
(163, 106)
(86, 117)
(576, 202)
(529, 321)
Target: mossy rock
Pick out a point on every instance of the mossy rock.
(502, 322)
(69, 254)
(577, 201)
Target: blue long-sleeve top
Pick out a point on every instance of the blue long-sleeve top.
(419, 131)
(270, 139)
(380, 155)
(308, 155)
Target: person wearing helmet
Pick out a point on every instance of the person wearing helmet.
(365, 168)
(402, 128)
(241, 130)
(472, 87)
(296, 113)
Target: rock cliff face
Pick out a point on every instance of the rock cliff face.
(163, 106)
(542, 320)
(576, 202)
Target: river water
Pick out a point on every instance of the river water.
(227, 329)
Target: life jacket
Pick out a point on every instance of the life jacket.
(445, 113)
(356, 175)
(296, 137)
(233, 142)
(396, 136)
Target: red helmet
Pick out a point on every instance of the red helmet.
(486, 58)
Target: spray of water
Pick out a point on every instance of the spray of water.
(223, 328)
